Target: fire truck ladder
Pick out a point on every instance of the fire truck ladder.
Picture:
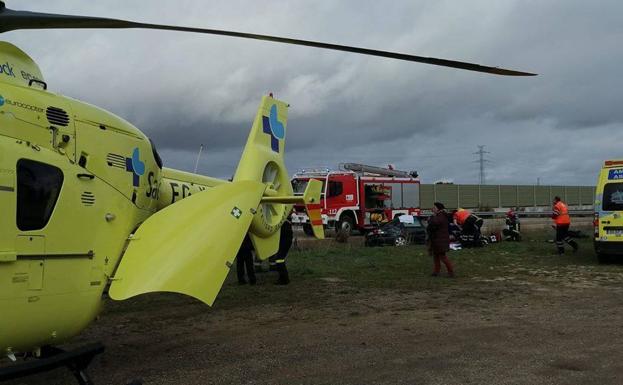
(362, 168)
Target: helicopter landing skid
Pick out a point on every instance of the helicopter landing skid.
(76, 361)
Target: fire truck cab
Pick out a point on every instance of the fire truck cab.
(359, 196)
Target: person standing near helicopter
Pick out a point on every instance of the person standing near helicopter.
(244, 260)
(278, 261)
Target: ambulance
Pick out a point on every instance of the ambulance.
(608, 223)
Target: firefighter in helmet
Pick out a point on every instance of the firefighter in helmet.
(513, 228)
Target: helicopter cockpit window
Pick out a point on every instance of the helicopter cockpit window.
(156, 155)
(38, 188)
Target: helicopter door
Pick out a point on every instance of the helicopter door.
(121, 158)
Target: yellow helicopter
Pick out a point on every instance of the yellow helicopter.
(87, 205)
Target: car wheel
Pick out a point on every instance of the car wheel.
(400, 241)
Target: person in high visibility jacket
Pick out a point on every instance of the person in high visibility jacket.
(470, 225)
(278, 261)
(562, 220)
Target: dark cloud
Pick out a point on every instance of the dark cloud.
(184, 89)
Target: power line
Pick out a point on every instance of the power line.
(481, 153)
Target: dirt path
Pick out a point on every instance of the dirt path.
(540, 330)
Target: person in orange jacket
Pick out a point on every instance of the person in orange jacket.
(560, 215)
(470, 226)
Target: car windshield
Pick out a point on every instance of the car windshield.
(394, 223)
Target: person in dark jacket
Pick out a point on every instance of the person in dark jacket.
(244, 258)
(278, 261)
(439, 239)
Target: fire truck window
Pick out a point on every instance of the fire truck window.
(299, 185)
(396, 194)
(411, 195)
(38, 188)
(613, 197)
(335, 189)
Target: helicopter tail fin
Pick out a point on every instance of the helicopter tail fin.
(312, 206)
(263, 161)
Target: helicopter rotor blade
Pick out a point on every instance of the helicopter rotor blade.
(11, 20)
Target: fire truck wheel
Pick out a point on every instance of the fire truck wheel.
(345, 224)
(400, 241)
(307, 229)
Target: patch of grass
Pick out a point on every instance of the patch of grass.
(336, 268)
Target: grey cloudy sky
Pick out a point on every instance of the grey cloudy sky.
(184, 89)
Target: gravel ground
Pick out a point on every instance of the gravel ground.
(525, 327)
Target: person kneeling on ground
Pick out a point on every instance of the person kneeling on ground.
(512, 230)
(439, 239)
(470, 225)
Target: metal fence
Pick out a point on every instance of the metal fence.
(489, 197)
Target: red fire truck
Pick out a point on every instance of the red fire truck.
(358, 196)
